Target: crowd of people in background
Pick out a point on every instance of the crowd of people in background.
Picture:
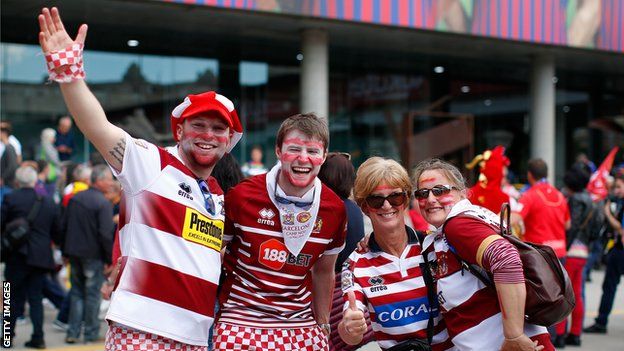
(80, 211)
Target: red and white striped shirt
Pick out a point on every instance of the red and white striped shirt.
(170, 247)
(471, 309)
(265, 285)
(393, 291)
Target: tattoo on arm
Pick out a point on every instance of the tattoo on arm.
(118, 151)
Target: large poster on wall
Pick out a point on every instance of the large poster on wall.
(593, 24)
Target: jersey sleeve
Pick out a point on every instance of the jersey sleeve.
(348, 282)
(470, 237)
(141, 165)
(338, 240)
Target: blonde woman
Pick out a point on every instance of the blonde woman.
(387, 281)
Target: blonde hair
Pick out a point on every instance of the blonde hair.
(448, 170)
(378, 170)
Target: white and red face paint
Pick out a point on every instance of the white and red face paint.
(203, 140)
(435, 209)
(301, 158)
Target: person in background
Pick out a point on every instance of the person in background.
(542, 211)
(578, 238)
(89, 230)
(614, 212)
(64, 142)
(477, 318)
(392, 274)
(255, 166)
(8, 160)
(17, 146)
(339, 175)
(81, 176)
(42, 175)
(27, 267)
(227, 172)
(48, 152)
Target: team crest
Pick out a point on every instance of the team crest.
(346, 281)
(442, 265)
(317, 226)
(303, 217)
(288, 218)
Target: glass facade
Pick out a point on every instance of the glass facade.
(397, 112)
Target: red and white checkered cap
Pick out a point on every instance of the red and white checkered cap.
(194, 105)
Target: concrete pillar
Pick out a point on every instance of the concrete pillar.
(315, 72)
(543, 112)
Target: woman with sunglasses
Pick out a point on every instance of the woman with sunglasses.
(387, 281)
(477, 317)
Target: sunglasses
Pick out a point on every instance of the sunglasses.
(437, 191)
(394, 199)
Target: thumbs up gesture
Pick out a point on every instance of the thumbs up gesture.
(353, 319)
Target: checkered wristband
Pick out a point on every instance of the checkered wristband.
(65, 66)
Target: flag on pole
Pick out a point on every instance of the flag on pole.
(597, 186)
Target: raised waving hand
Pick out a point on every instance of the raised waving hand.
(52, 33)
(65, 65)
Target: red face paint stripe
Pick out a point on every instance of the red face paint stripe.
(170, 286)
(301, 142)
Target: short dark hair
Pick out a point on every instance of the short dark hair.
(576, 178)
(538, 168)
(227, 172)
(338, 174)
(309, 124)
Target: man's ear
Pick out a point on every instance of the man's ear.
(278, 152)
(179, 130)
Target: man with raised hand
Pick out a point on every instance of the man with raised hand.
(285, 230)
(171, 222)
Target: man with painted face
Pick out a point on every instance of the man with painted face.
(285, 230)
(171, 218)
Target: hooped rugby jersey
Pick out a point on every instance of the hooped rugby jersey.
(470, 308)
(266, 286)
(392, 289)
(170, 246)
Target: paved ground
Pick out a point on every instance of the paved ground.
(614, 340)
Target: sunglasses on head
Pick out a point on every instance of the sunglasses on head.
(437, 190)
(394, 199)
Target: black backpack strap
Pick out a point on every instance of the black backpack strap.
(475, 270)
(429, 283)
(34, 211)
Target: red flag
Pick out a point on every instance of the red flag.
(597, 185)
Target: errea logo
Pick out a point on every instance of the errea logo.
(185, 191)
(266, 215)
(376, 283)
